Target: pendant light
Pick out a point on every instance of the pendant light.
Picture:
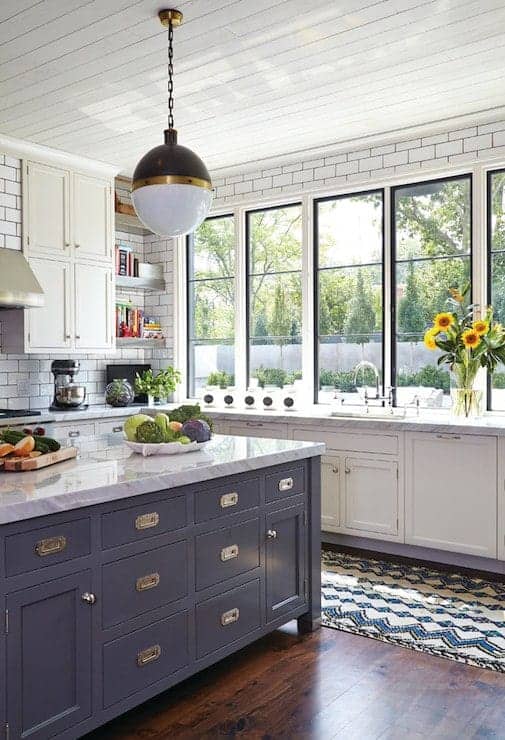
(171, 190)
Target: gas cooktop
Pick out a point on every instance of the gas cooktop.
(13, 413)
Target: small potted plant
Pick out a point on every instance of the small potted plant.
(168, 381)
(159, 386)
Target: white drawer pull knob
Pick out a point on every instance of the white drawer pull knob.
(88, 598)
(230, 617)
(286, 484)
(148, 655)
(228, 553)
(228, 499)
(272, 534)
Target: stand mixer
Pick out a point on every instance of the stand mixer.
(67, 394)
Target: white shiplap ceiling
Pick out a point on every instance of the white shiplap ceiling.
(254, 78)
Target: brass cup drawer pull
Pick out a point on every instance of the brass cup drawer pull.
(147, 582)
(230, 617)
(149, 655)
(50, 546)
(228, 499)
(229, 553)
(286, 484)
(147, 521)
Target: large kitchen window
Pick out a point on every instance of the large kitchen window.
(349, 291)
(432, 247)
(211, 304)
(274, 300)
(496, 271)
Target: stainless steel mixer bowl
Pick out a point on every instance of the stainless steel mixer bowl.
(70, 395)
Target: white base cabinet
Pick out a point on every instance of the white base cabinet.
(331, 484)
(451, 492)
(371, 496)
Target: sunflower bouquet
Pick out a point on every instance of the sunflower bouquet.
(468, 342)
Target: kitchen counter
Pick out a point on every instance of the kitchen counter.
(110, 471)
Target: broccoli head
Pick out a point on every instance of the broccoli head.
(149, 432)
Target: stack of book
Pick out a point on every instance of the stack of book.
(126, 262)
(132, 322)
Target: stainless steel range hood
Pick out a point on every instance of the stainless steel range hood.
(19, 288)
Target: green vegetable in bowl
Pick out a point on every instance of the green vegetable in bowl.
(149, 433)
(162, 421)
(132, 424)
(186, 412)
(184, 440)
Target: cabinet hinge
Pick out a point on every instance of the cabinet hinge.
(27, 239)
(306, 589)
(305, 518)
(397, 474)
(6, 621)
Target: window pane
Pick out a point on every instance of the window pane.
(433, 243)
(350, 286)
(211, 304)
(497, 271)
(275, 295)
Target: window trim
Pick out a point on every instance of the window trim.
(317, 269)
(393, 282)
(489, 264)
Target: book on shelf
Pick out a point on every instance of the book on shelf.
(132, 323)
(127, 265)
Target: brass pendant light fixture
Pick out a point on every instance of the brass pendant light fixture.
(172, 189)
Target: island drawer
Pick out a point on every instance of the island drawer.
(133, 662)
(226, 553)
(38, 548)
(114, 426)
(142, 521)
(229, 499)
(141, 583)
(286, 482)
(224, 619)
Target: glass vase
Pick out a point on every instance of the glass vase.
(466, 402)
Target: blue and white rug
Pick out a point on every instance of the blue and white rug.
(446, 614)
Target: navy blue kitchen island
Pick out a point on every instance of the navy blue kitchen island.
(121, 576)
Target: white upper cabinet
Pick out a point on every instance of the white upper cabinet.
(92, 233)
(93, 307)
(46, 210)
(451, 492)
(50, 327)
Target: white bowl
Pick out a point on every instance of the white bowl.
(164, 448)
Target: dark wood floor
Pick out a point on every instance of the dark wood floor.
(328, 684)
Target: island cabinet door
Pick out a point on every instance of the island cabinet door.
(285, 561)
(49, 657)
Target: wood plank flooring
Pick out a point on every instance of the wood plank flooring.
(325, 685)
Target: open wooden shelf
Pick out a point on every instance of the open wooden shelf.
(130, 223)
(137, 342)
(139, 283)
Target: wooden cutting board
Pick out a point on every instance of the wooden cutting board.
(42, 461)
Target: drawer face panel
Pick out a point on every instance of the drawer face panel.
(229, 499)
(133, 662)
(224, 619)
(379, 444)
(288, 482)
(227, 553)
(140, 522)
(39, 548)
(115, 426)
(140, 583)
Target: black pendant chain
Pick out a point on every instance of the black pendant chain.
(170, 75)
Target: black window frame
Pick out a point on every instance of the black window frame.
(189, 242)
(247, 280)
(451, 178)
(316, 270)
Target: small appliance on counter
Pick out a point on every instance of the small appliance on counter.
(67, 394)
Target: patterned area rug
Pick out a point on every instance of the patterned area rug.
(446, 614)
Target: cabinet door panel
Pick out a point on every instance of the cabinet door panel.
(92, 237)
(93, 307)
(451, 493)
(47, 210)
(285, 561)
(371, 496)
(49, 327)
(330, 493)
(49, 657)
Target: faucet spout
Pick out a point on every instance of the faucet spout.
(367, 365)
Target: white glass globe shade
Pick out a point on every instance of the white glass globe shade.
(172, 209)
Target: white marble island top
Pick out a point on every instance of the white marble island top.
(111, 471)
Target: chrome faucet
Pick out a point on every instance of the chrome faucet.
(363, 365)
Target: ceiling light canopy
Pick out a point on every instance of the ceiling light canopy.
(172, 189)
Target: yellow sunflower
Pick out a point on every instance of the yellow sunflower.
(443, 321)
(429, 338)
(470, 338)
(481, 327)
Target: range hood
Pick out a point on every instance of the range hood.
(19, 288)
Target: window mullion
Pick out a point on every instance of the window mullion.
(387, 313)
(308, 285)
(241, 317)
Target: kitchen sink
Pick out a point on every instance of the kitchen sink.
(374, 412)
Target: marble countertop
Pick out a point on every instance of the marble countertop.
(108, 470)
(318, 415)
